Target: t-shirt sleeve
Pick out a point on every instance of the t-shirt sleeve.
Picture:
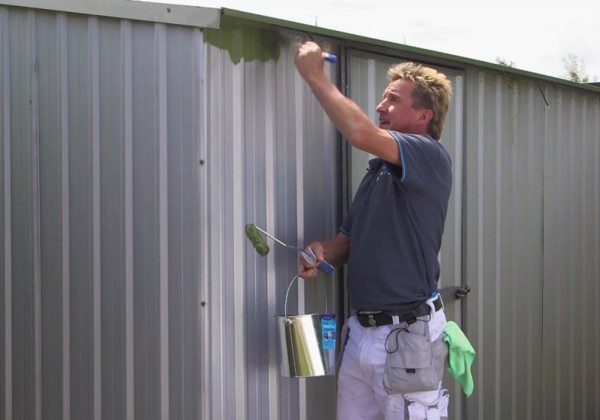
(419, 159)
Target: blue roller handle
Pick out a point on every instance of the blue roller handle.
(324, 266)
(332, 58)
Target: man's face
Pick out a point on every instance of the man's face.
(396, 110)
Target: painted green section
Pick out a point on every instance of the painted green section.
(245, 40)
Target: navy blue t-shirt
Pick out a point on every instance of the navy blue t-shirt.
(395, 225)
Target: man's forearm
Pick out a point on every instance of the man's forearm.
(345, 114)
(336, 249)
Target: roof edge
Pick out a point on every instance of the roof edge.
(458, 61)
(202, 17)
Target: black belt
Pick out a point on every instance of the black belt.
(377, 319)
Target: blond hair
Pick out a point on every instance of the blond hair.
(432, 90)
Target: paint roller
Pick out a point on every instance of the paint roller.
(258, 243)
(253, 233)
(332, 58)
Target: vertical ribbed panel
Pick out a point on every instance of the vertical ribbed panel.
(571, 360)
(6, 325)
(101, 224)
(504, 207)
(272, 160)
(531, 248)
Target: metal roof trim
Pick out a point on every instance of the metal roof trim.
(454, 60)
(196, 16)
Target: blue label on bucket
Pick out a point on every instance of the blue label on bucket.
(328, 327)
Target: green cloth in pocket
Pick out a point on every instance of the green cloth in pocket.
(460, 356)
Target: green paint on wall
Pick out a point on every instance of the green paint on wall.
(245, 40)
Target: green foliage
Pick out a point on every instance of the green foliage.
(504, 62)
(575, 69)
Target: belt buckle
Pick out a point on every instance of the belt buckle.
(372, 321)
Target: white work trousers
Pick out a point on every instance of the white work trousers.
(361, 394)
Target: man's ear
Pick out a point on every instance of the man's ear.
(425, 115)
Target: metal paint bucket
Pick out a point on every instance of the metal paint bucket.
(307, 342)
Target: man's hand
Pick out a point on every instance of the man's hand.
(307, 270)
(334, 250)
(310, 60)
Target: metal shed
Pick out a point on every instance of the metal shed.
(137, 140)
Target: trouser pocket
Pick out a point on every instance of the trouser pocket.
(443, 403)
(414, 363)
(428, 407)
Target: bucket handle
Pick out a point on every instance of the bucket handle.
(288, 292)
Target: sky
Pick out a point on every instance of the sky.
(535, 35)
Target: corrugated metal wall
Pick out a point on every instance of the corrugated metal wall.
(571, 263)
(532, 246)
(273, 160)
(134, 153)
(129, 289)
(101, 138)
(505, 187)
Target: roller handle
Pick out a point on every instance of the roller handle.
(326, 268)
(309, 255)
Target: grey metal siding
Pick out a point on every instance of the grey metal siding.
(133, 153)
(272, 160)
(116, 211)
(504, 207)
(101, 271)
(531, 246)
(5, 227)
(571, 249)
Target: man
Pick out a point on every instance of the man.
(393, 360)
